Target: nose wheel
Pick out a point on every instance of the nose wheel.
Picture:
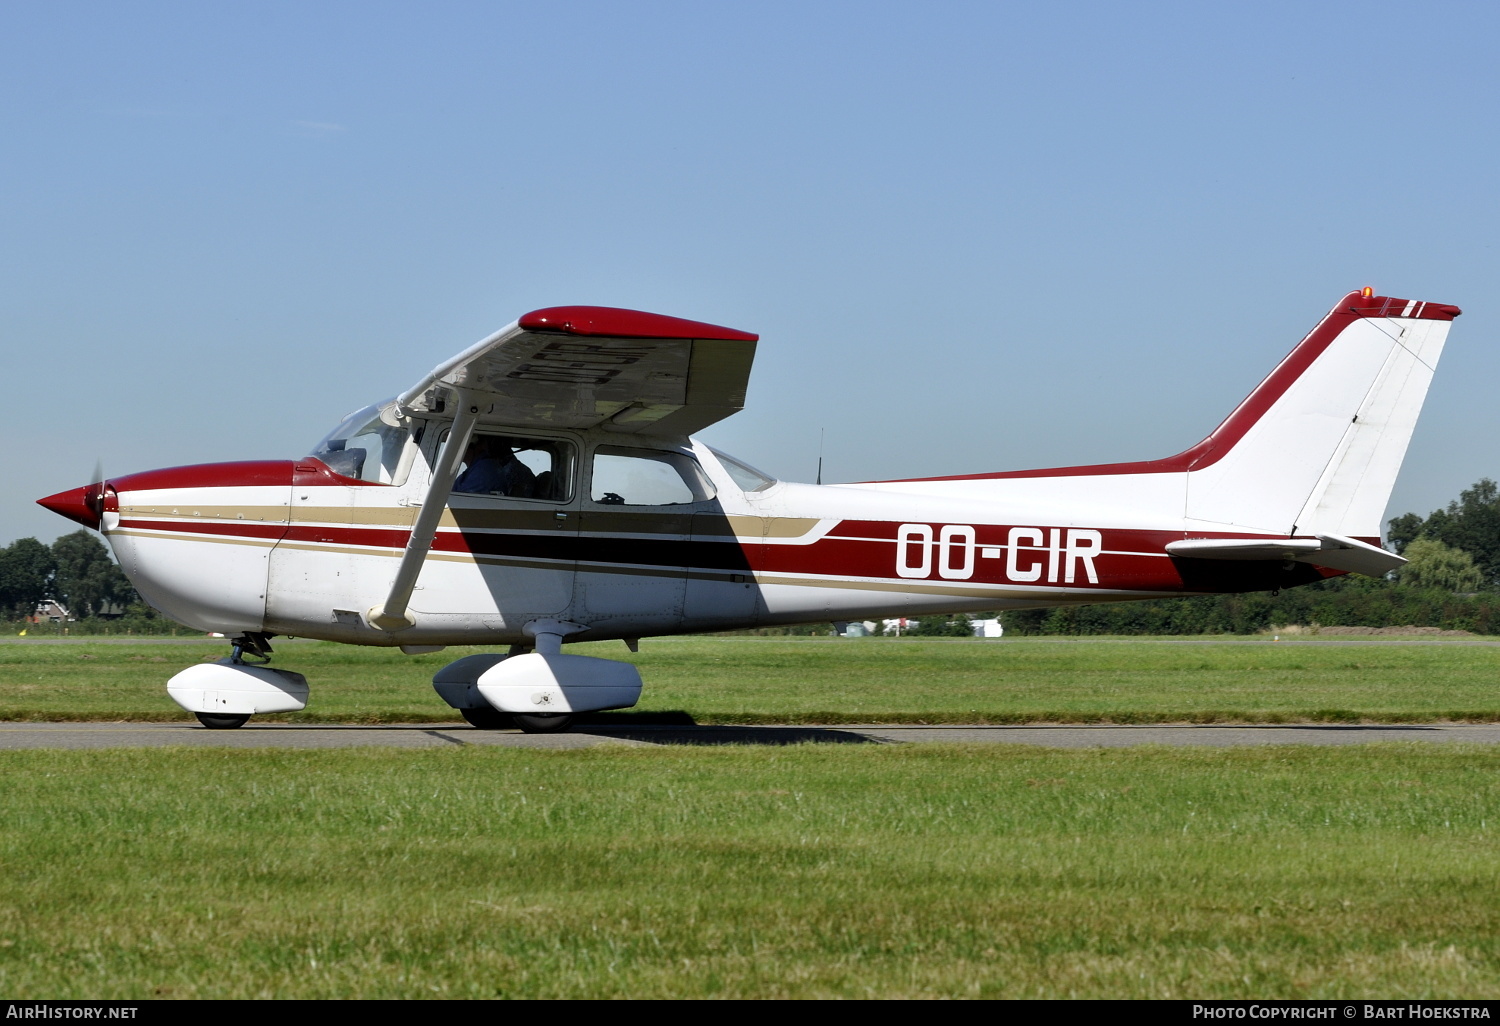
(220, 721)
(224, 695)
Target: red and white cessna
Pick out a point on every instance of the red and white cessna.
(542, 487)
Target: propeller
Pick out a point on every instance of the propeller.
(93, 494)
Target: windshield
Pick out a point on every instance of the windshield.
(364, 446)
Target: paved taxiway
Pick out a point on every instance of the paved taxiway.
(272, 735)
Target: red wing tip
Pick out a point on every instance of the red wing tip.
(613, 322)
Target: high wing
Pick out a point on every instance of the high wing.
(597, 366)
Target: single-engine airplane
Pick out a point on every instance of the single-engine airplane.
(543, 487)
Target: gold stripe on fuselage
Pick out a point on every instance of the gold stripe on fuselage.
(465, 518)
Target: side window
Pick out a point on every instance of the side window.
(516, 467)
(646, 477)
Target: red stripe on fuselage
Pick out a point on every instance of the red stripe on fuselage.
(220, 528)
(1125, 560)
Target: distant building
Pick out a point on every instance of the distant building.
(981, 628)
(50, 611)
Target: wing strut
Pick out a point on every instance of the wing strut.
(391, 615)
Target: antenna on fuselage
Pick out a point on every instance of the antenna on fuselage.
(820, 454)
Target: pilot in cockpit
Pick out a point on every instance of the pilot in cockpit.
(492, 469)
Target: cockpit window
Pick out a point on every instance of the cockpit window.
(646, 477)
(743, 474)
(364, 446)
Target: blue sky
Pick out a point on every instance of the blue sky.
(972, 236)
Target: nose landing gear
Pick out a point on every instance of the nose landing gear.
(256, 643)
(225, 694)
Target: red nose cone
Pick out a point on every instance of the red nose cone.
(78, 504)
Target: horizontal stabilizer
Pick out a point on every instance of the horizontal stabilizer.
(1357, 557)
(1327, 550)
(1248, 548)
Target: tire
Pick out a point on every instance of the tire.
(533, 724)
(219, 721)
(486, 718)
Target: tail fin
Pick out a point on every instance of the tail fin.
(1316, 447)
(1314, 450)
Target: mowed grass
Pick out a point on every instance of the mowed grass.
(807, 871)
(768, 680)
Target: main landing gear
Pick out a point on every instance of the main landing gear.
(225, 694)
(536, 688)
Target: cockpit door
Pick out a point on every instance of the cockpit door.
(504, 550)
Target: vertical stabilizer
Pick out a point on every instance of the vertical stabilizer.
(1316, 448)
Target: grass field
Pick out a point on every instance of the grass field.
(760, 680)
(816, 870)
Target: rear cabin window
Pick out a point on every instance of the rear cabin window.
(743, 474)
(646, 477)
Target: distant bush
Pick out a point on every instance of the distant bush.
(1346, 601)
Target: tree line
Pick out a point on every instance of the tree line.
(75, 570)
(1452, 582)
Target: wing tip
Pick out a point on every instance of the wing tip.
(615, 322)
